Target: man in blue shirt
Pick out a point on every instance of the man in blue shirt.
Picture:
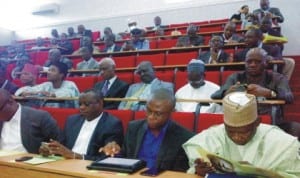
(156, 139)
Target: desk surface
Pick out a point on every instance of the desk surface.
(65, 169)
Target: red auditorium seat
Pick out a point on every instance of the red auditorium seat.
(124, 76)
(155, 59)
(83, 83)
(219, 21)
(226, 74)
(61, 114)
(179, 25)
(180, 58)
(124, 61)
(75, 61)
(95, 35)
(185, 119)
(167, 76)
(18, 82)
(153, 44)
(199, 23)
(40, 80)
(41, 57)
(124, 115)
(75, 44)
(211, 28)
(213, 76)
(180, 79)
(166, 43)
(206, 120)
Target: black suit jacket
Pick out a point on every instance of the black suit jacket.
(37, 126)
(171, 155)
(223, 57)
(117, 90)
(108, 129)
(272, 50)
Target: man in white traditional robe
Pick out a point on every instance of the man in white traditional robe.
(243, 138)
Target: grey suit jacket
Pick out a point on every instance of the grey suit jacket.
(156, 84)
(273, 10)
(108, 129)
(170, 156)
(93, 64)
(36, 126)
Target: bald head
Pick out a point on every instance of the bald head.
(264, 4)
(107, 68)
(146, 71)
(256, 62)
(54, 55)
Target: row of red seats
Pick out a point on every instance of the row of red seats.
(188, 120)
(178, 78)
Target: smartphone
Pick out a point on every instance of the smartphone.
(24, 158)
(151, 172)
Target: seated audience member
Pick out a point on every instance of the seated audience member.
(108, 31)
(54, 56)
(266, 28)
(110, 45)
(243, 138)
(88, 131)
(271, 12)
(159, 32)
(23, 129)
(138, 39)
(197, 88)
(28, 78)
(111, 86)
(241, 16)
(64, 45)
(156, 139)
(183, 42)
(128, 46)
(21, 59)
(4, 82)
(54, 34)
(81, 31)
(157, 24)
(195, 40)
(56, 87)
(40, 44)
(87, 42)
(132, 24)
(229, 35)
(257, 80)
(88, 61)
(216, 54)
(253, 39)
(71, 33)
(143, 89)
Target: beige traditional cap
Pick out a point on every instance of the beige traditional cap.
(240, 109)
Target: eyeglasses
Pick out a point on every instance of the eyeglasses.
(87, 104)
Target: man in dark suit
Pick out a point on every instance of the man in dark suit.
(111, 86)
(216, 54)
(156, 139)
(88, 131)
(266, 10)
(34, 126)
(253, 39)
(81, 31)
(110, 45)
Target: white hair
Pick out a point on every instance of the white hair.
(108, 60)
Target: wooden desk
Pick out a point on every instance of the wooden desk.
(65, 169)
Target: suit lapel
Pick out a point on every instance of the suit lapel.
(76, 129)
(165, 145)
(139, 138)
(99, 126)
(25, 128)
(113, 87)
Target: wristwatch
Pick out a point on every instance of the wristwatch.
(273, 94)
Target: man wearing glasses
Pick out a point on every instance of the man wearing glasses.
(156, 139)
(22, 129)
(197, 88)
(86, 132)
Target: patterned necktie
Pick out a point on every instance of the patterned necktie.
(105, 88)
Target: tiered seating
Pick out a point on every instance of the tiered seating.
(180, 58)
(155, 59)
(83, 83)
(124, 115)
